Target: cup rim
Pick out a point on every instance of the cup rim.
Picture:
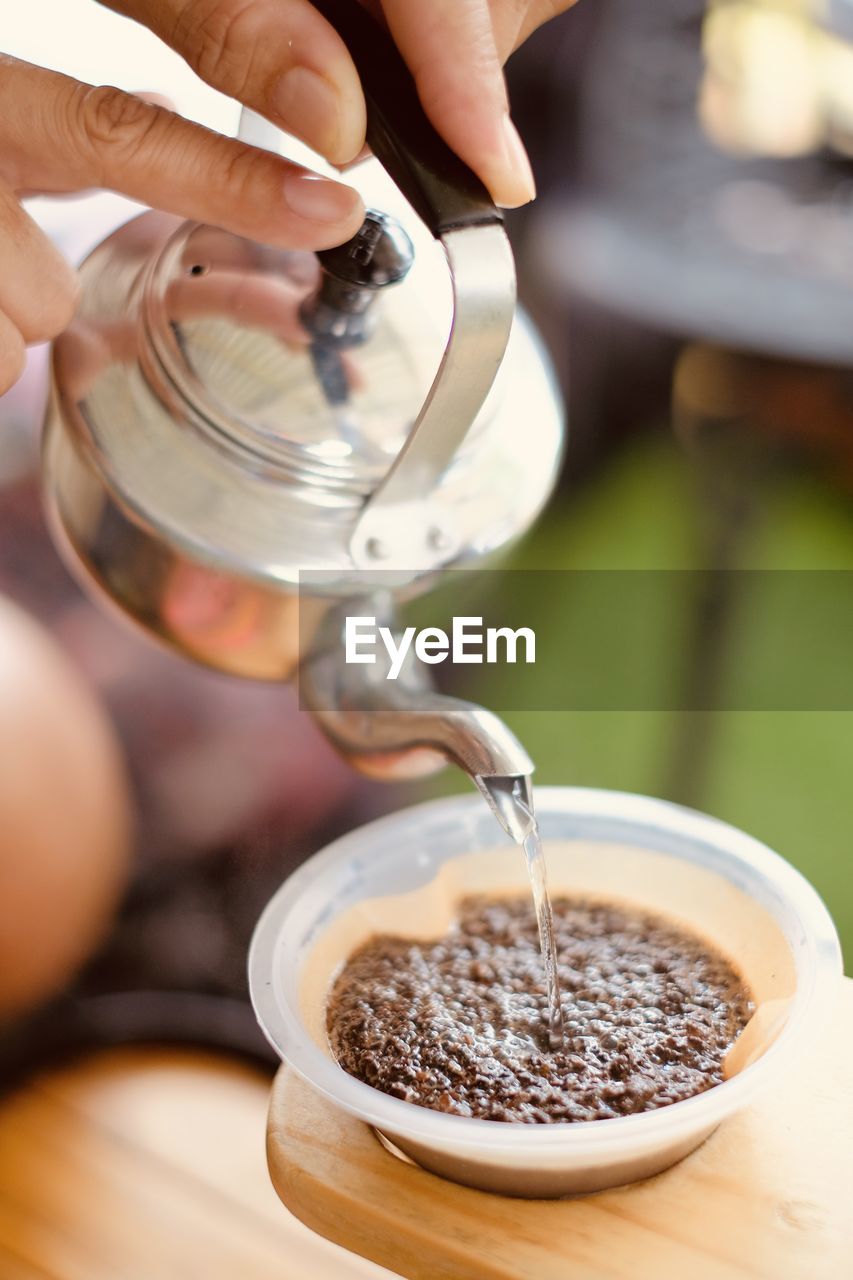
(818, 962)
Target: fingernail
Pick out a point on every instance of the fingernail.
(318, 199)
(517, 186)
(308, 107)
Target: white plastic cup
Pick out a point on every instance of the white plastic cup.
(405, 873)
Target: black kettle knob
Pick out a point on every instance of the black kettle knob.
(379, 254)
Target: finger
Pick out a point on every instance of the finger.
(450, 48)
(279, 57)
(38, 288)
(13, 354)
(57, 133)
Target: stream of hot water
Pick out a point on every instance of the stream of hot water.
(538, 872)
(512, 801)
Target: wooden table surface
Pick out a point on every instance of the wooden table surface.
(769, 1196)
(149, 1164)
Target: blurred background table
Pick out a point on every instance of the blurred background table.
(767, 1197)
(148, 1164)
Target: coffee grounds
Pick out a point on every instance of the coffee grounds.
(459, 1024)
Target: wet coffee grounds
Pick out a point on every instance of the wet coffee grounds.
(458, 1024)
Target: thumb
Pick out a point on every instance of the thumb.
(451, 51)
(57, 134)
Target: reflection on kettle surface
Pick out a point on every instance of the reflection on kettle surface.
(273, 342)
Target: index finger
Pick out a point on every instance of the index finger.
(59, 134)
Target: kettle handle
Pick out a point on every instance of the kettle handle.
(441, 188)
(407, 524)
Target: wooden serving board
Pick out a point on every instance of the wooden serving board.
(768, 1197)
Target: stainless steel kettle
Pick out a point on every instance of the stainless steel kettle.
(238, 437)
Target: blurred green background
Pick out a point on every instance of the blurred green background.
(782, 776)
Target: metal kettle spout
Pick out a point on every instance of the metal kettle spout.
(403, 728)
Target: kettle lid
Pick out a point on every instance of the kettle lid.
(288, 362)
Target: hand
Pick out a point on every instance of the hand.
(282, 59)
(57, 135)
